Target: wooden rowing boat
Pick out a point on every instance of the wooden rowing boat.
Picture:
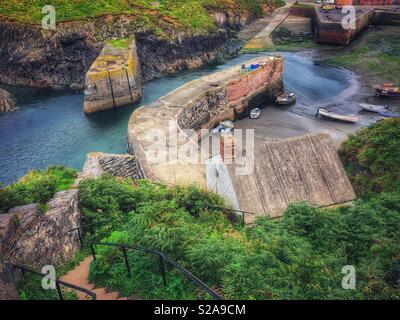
(373, 107)
(337, 116)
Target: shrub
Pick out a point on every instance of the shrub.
(36, 187)
(371, 157)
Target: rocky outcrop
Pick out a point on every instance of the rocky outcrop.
(32, 238)
(117, 165)
(8, 290)
(7, 101)
(166, 56)
(60, 59)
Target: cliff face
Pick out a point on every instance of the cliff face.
(30, 56)
(162, 56)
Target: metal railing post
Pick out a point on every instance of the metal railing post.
(162, 269)
(93, 251)
(80, 237)
(128, 268)
(59, 292)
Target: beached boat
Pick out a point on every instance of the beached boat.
(337, 116)
(373, 107)
(255, 113)
(388, 90)
(389, 115)
(285, 98)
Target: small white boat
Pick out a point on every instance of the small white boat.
(373, 107)
(218, 129)
(255, 113)
(285, 98)
(337, 116)
(227, 124)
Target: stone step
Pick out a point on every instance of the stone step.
(79, 276)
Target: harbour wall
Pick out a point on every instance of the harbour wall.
(199, 104)
(115, 78)
(384, 17)
(334, 33)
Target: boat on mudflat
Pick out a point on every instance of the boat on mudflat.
(255, 113)
(389, 115)
(373, 107)
(338, 116)
(285, 98)
(388, 90)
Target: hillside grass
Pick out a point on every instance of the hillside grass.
(376, 54)
(36, 187)
(189, 14)
(300, 256)
(372, 157)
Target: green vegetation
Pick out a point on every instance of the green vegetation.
(300, 256)
(36, 187)
(119, 43)
(372, 158)
(30, 288)
(287, 40)
(377, 55)
(189, 14)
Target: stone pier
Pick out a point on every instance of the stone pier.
(197, 105)
(114, 79)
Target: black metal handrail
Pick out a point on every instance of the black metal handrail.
(162, 258)
(242, 212)
(58, 283)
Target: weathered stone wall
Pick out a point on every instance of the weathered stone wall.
(386, 18)
(235, 99)
(302, 11)
(32, 238)
(205, 111)
(7, 101)
(118, 165)
(114, 79)
(332, 32)
(199, 104)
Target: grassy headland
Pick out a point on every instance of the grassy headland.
(36, 187)
(187, 14)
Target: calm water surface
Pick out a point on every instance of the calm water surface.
(54, 130)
